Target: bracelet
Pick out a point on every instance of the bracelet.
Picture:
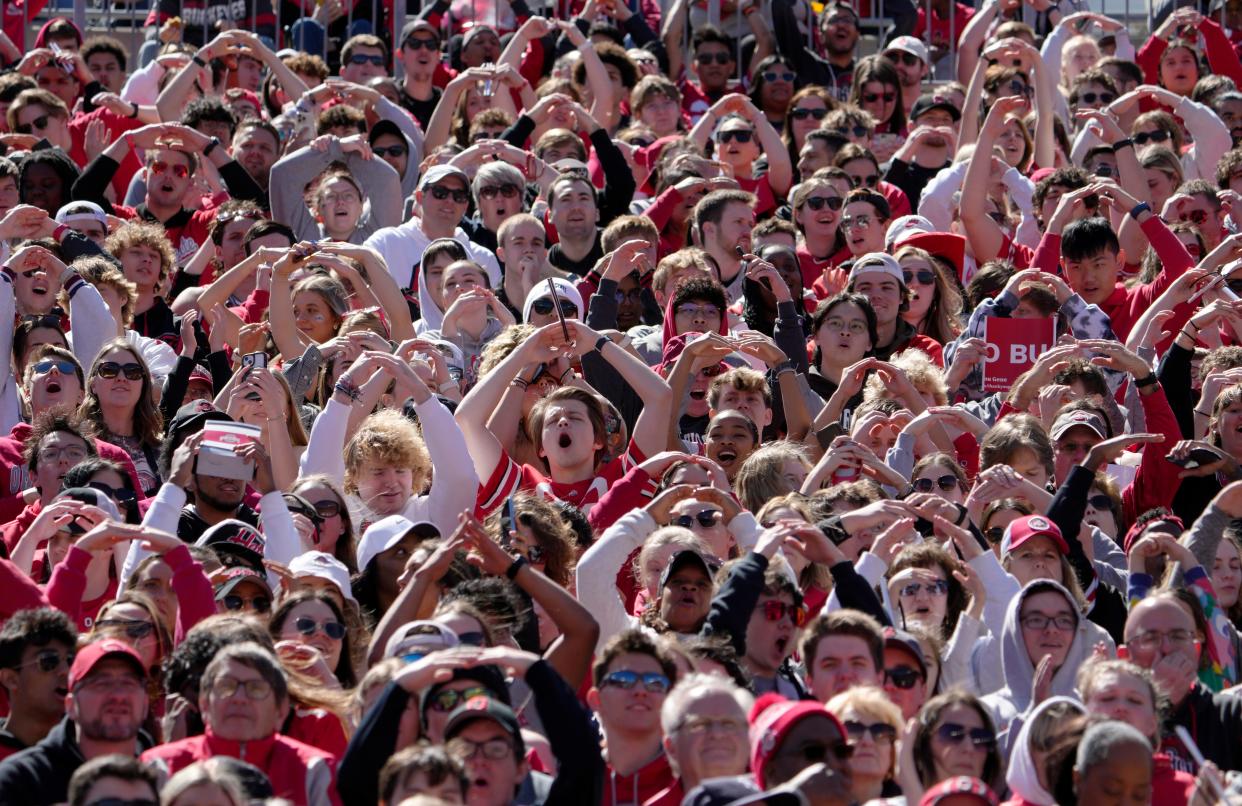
(348, 389)
(1207, 414)
(1123, 143)
(447, 386)
(599, 345)
(520, 383)
(961, 518)
(215, 141)
(787, 364)
(512, 571)
(568, 372)
(1139, 209)
(198, 60)
(134, 113)
(59, 232)
(1150, 380)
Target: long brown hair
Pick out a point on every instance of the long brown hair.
(148, 422)
(943, 320)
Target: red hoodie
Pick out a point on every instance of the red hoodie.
(640, 787)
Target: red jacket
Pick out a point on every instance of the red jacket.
(298, 772)
(640, 787)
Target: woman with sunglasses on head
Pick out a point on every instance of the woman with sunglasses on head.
(120, 404)
(805, 113)
(954, 736)
(740, 133)
(310, 631)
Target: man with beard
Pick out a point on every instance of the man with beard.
(909, 55)
(105, 706)
(1228, 107)
(722, 221)
(573, 210)
(930, 146)
(256, 146)
(36, 651)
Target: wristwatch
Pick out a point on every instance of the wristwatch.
(215, 141)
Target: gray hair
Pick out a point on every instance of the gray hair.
(1102, 738)
(697, 686)
(497, 173)
(253, 656)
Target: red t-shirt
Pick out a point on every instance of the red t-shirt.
(694, 102)
(509, 477)
(822, 276)
(117, 127)
(943, 29)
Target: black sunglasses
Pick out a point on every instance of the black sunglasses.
(1092, 97)
(115, 493)
(39, 123)
(740, 135)
(946, 483)
(543, 307)
(441, 193)
(508, 191)
(422, 44)
(818, 202)
(49, 660)
(362, 58)
(903, 677)
(394, 150)
(307, 626)
(261, 604)
(111, 369)
(1158, 136)
(133, 627)
(327, 508)
(869, 180)
(953, 733)
(803, 114)
(706, 518)
(900, 56)
(772, 75)
(995, 534)
(708, 58)
(1100, 501)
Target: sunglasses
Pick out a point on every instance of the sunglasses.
(123, 802)
(903, 677)
(39, 123)
(818, 202)
(394, 150)
(64, 367)
(1092, 97)
(878, 731)
(159, 168)
(776, 611)
(772, 75)
(544, 306)
(34, 320)
(115, 493)
(260, 604)
(953, 733)
(1158, 136)
(422, 44)
(872, 97)
(1196, 217)
(508, 191)
(869, 180)
(815, 752)
(938, 588)
(712, 371)
(946, 482)
(533, 554)
(924, 276)
(446, 698)
(901, 57)
(1019, 88)
(718, 58)
(327, 508)
(803, 114)
(133, 627)
(654, 682)
(1104, 169)
(707, 519)
(740, 135)
(49, 660)
(361, 58)
(441, 193)
(995, 534)
(307, 626)
(472, 639)
(111, 369)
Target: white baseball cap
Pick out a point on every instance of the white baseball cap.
(904, 228)
(420, 638)
(322, 565)
(912, 45)
(877, 263)
(386, 533)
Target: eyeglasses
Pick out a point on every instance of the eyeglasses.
(995, 534)
(1092, 97)
(159, 168)
(421, 44)
(1100, 501)
(259, 604)
(307, 626)
(1158, 136)
(327, 508)
(472, 639)
(115, 493)
(133, 627)
(772, 75)
(346, 197)
(819, 202)
(924, 276)
(508, 191)
(856, 221)
(1196, 217)
(543, 306)
(838, 325)
(441, 193)
(494, 749)
(903, 677)
(654, 682)
(712, 371)
(70, 453)
(1019, 88)
(872, 97)
(111, 369)
(1104, 169)
(1040, 622)
(533, 554)
(813, 752)
(938, 588)
(901, 57)
(740, 135)
(257, 689)
(775, 611)
(953, 733)
(362, 58)
(708, 58)
(707, 518)
(690, 309)
(39, 123)
(880, 732)
(394, 150)
(803, 114)
(701, 725)
(446, 699)
(946, 483)
(45, 366)
(633, 295)
(869, 180)
(1153, 639)
(49, 660)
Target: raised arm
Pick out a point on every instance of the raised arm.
(380, 283)
(284, 330)
(984, 234)
(604, 107)
(176, 94)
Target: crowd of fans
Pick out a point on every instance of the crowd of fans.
(613, 409)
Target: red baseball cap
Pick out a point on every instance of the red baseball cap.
(959, 785)
(91, 654)
(1030, 526)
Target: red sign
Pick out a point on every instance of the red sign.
(1013, 346)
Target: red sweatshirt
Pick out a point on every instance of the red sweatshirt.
(1221, 56)
(640, 787)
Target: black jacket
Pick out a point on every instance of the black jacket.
(39, 775)
(1214, 722)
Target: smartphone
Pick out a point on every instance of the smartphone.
(508, 519)
(556, 306)
(1197, 458)
(254, 360)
